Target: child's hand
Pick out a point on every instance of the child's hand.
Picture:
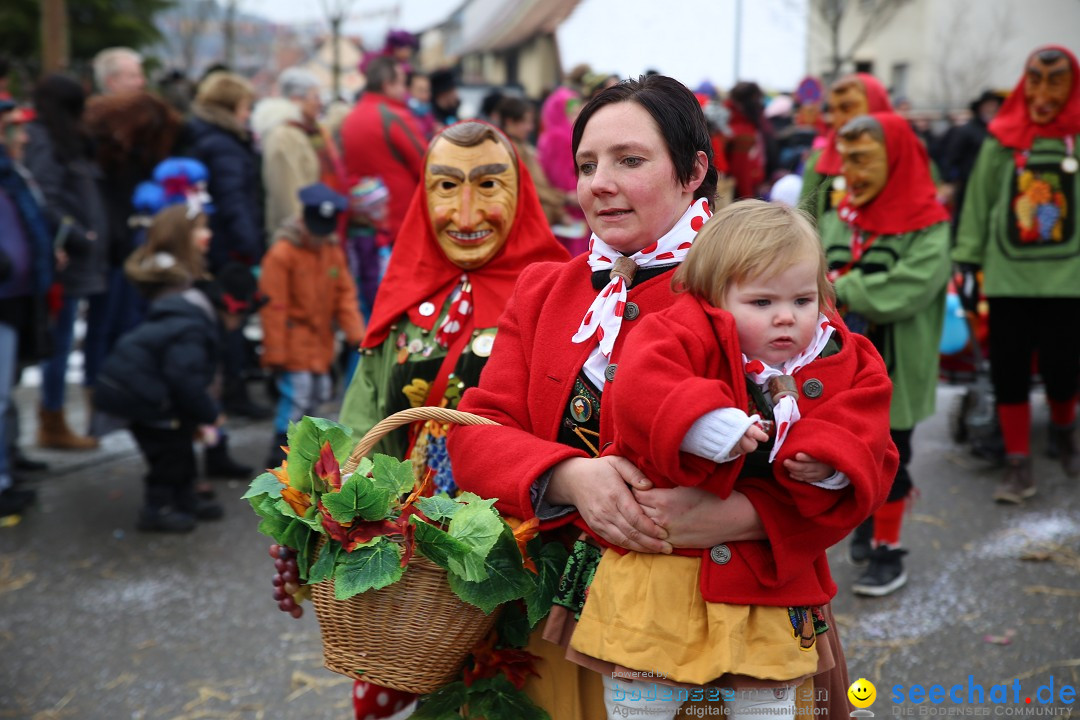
(804, 468)
(749, 441)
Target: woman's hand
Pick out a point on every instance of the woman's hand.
(600, 490)
(804, 468)
(695, 518)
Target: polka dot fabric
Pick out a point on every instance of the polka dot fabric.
(458, 314)
(604, 317)
(372, 702)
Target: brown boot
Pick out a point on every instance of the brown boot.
(1065, 438)
(1018, 483)
(53, 432)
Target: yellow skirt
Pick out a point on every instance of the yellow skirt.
(645, 612)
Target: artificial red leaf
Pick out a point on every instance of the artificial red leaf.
(327, 467)
(523, 533)
(423, 490)
(297, 500)
(487, 661)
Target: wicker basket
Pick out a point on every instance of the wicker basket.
(414, 635)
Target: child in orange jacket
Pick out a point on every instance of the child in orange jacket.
(306, 278)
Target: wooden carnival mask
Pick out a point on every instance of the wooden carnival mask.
(1048, 82)
(847, 100)
(472, 195)
(864, 165)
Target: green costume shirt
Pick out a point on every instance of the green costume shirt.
(898, 286)
(1020, 227)
(397, 375)
(815, 198)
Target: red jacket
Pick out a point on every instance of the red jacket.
(688, 358)
(380, 138)
(526, 385)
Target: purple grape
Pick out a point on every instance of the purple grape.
(288, 576)
(281, 565)
(287, 604)
(297, 611)
(279, 595)
(274, 549)
(278, 580)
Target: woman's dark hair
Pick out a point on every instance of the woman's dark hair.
(133, 132)
(678, 115)
(59, 103)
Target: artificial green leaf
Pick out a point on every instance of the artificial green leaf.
(512, 626)
(265, 506)
(436, 544)
(479, 527)
(506, 580)
(393, 474)
(265, 484)
(367, 568)
(304, 448)
(339, 436)
(443, 704)
(296, 535)
(358, 497)
(275, 526)
(496, 697)
(550, 560)
(469, 498)
(364, 467)
(323, 567)
(438, 507)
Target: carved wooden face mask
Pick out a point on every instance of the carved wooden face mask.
(846, 102)
(1047, 86)
(865, 166)
(472, 195)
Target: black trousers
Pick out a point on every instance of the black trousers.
(902, 484)
(169, 453)
(1021, 326)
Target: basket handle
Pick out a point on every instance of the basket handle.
(406, 417)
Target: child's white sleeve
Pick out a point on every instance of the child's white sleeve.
(837, 481)
(714, 434)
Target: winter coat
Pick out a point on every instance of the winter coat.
(162, 371)
(309, 287)
(898, 285)
(219, 142)
(72, 198)
(289, 162)
(380, 138)
(1021, 228)
(688, 358)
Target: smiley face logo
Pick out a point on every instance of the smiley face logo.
(862, 693)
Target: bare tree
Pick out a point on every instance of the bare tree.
(192, 18)
(848, 24)
(336, 12)
(228, 29)
(964, 57)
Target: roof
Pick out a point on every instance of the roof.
(487, 25)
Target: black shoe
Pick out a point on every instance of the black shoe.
(166, 519)
(277, 455)
(25, 464)
(217, 463)
(860, 548)
(14, 500)
(885, 574)
(190, 502)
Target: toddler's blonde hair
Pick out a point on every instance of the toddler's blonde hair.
(744, 240)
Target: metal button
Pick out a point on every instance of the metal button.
(609, 372)
(632, 311)
(720, 554)
(812, 388)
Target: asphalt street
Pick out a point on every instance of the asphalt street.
(98, 620)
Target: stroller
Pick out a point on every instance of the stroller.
(973, 418)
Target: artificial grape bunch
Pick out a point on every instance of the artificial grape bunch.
(288, 592)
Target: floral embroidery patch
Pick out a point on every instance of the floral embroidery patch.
(1040, 207)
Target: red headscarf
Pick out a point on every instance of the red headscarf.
(908, 201)
(420, 272)
(877, 101)
(1012, 126)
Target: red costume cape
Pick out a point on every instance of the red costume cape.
(420, 272)
(877, 101)
(908, 202)
(1012, 126)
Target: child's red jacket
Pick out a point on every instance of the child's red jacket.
(687, 358)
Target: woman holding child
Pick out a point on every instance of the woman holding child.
(645, 179)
